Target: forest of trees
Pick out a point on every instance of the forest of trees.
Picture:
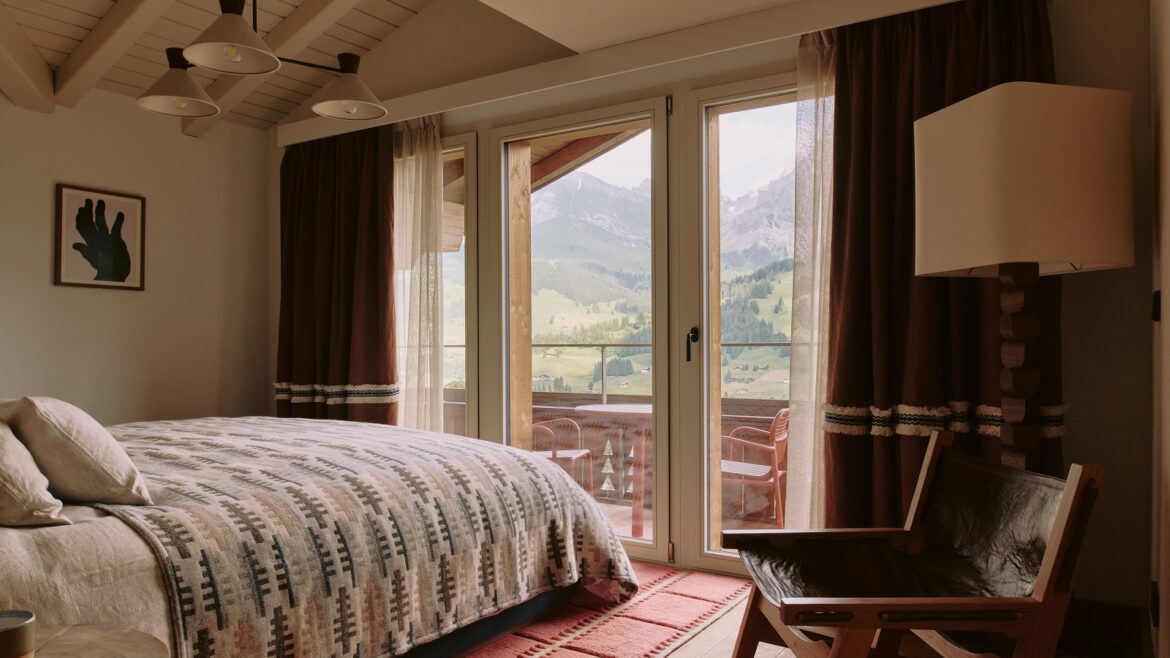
(739, 311)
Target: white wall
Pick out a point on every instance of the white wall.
(195, 341)
(1108, 338)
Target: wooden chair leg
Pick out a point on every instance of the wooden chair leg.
(779, 507)
(743, 510)
(888, 644)
(777, 513)
(754, 628)
(1044, 637)
(589, 466)
(853, 643)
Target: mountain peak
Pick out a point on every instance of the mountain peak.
(582, 217)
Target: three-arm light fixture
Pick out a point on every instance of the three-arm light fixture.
(231, 46)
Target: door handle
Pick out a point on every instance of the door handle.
(692, 337)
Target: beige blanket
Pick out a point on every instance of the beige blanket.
(96, 571)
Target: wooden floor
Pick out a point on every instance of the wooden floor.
(718, 640)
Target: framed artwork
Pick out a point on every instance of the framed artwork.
(101, 239)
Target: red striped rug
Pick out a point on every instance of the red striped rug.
(671, 606)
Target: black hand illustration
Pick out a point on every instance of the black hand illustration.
(103, 249)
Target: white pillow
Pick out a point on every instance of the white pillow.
(83, 461)
(24, 490)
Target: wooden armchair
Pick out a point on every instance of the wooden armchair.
(565, 446)
(983, 567)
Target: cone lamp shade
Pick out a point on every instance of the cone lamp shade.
(347, 97)
(177, 93)
(229, 45)
(1025, 173)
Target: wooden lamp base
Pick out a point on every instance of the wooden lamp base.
(1019, 378)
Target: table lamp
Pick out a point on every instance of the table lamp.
(1020, 181)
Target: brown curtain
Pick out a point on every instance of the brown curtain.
(336, 353)
(909, 355)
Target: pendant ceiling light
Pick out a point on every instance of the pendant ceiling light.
(177, 93)
(230, 45)
(348, 97)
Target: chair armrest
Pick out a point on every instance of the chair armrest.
(750, 431)
(751, 445)
(900, 537)
(566, 423)
(937, 613)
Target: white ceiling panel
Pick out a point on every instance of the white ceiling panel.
(586, 26)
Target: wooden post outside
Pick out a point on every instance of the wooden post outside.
(519, 260)
(714, 337)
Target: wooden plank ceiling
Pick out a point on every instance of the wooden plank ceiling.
(57, 27)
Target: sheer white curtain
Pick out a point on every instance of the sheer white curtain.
(418, 281)
(810, 282)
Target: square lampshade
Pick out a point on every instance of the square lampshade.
(1025, 173)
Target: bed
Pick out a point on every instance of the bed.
(281, 537)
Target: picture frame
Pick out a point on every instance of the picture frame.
(100, 239)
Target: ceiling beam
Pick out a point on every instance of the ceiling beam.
(287, 39)
(452, 171)
(119, 29)
(25, 76)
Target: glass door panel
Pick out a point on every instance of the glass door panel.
(583, 226)
(750, 208)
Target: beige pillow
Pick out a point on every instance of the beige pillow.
(83, 461)
(24, 490)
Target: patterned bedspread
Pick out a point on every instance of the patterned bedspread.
(289, 537)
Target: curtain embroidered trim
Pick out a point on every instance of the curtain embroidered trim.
(911, 420)
(1051, 420)
(337, 393)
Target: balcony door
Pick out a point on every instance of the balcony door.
(584, 237)
(734, 260)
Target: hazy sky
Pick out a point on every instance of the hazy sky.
(756, 146)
